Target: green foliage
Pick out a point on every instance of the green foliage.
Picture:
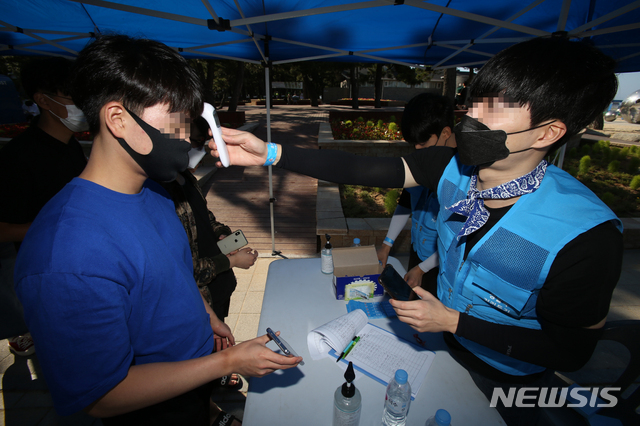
(348, 191)
(391, 201)
(604, 144)
(585, 165)
(615, 153)
(609, 199)
(393, 127)
(635, 182)
(380, 123)
(585, 149)
(360, 120)
(348, 123)
(632, 167)
(613, 166)
(573, 152)
(624, 152)
(370, 123)
(606, 154)
(392, 119)
(596, 149)
(635, 150)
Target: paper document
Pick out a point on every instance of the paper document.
(378, 353)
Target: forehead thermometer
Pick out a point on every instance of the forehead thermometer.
(209, 114)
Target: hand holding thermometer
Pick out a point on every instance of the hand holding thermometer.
(284, 346)
(209, 114)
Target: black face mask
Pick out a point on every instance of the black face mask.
(168, 155)
(480, 146)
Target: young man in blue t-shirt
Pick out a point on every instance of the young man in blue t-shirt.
(105, 272)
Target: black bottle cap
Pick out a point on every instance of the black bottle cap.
(328, 244)
(348, 388)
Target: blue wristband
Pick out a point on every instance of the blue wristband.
(388, 240)
(272, 152)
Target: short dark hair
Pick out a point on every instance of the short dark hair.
(424, 115)
(140, 73)
(49, 75)
(557, 78)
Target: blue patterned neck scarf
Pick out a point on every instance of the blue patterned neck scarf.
(473, 205)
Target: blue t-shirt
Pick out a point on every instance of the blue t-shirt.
(106, 281)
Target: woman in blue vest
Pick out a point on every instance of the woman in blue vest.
(427, 121)
(529, 257)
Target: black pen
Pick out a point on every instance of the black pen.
(347, 348)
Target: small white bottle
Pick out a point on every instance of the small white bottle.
(441, 418)
(397, 400)
(356, 242)
(327, 257)
(347, 402)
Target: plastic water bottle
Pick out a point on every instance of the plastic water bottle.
(356, 242)
(441, 418)
(347, 402)
(397, 400)
(327, 257)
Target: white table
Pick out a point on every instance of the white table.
(298, 298)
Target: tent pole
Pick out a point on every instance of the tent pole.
(272, 200)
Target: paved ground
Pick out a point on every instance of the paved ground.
(25, 400)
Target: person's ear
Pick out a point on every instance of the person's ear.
(551, 135)
(114, 118)
(444, 136)
(42, 100)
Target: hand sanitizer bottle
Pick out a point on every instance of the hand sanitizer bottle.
(327, 257)
(347, 402)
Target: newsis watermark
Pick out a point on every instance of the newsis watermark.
(576, 396)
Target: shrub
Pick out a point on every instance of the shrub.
(606, 153)
(635, 149)
(348, 123)
(573, 152)
(635, 182)
(367, 198)
(380, 123)
(634, 163)
(585, 164)
(393, 127)
(391, 200)
(370, 123)
(585, 149)
(604, 144)
(609, 199)
(615, 154)
(596, 149)
(392, 119)
(624, 152)
(614, 166)
(360, 120)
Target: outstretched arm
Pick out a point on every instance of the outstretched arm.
(245, 149)
(150, 384)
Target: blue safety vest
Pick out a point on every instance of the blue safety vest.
(424, 213)
(503, 273)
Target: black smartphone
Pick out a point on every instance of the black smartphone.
(394, 284)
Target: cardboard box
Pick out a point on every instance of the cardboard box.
(355, 273)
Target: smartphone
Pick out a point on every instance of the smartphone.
(232, 242)
(394, 284)
(284, 346)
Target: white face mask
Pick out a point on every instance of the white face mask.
(195, 156)
(75, 121)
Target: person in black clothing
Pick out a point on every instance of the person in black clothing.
(35, 165)
(529, 256)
